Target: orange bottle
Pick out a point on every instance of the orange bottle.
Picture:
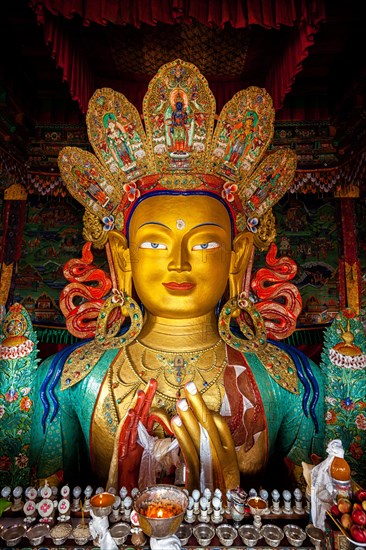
(341, 475)
(340, 469)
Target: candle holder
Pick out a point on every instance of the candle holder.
(160, 510)
(101, 506)
(257, 507)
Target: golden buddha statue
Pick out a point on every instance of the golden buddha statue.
(179, 233)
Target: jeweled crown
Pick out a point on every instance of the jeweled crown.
(178, 148)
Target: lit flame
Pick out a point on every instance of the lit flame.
(160, 513)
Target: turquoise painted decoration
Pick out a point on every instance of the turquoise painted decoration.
(344, 367)
(18, 363)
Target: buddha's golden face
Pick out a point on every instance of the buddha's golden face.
(180, 250)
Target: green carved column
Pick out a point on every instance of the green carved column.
(344, 368)
(18, 363)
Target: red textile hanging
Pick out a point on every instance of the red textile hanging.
(68, 57)
(238, 13)
(303, 17)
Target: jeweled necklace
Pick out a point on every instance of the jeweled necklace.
(176, 369)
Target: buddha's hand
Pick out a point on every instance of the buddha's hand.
(129, 450)
(194, 424)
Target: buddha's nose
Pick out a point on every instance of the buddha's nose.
(179, 261)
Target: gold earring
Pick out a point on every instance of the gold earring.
(105, 337)
(252, 338)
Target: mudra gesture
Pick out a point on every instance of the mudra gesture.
(197, 365)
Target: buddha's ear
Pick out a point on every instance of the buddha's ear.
(240, 256)
(120, 261)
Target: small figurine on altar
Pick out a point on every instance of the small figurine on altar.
(184, 340)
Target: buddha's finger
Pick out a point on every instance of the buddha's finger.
(149, 397)
(161, 417)
(124, 436)
(140, 400)
(202, 413)
(187, 447)
(226, 454)
(190, 422)
(224, 432)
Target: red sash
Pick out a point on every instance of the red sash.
(247, 416)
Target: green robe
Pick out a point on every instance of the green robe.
(66, 443)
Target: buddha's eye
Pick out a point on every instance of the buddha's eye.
(156, 246)
(206, 246)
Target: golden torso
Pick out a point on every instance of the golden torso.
(180, 257)
(131, 371)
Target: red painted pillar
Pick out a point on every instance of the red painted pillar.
(349, 265)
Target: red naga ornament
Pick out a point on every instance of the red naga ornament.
(82, 298)
(280, 302)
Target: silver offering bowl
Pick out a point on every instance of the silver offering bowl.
(184, 533)
(102, 504)
(257, 507)
(272, 534)
(294, 534)
(13, 535)
(203, 533)
(81, 534)
(159, 502)
(60, 533)
(227, 534)
(119, 532)
(315, 534)
(37, 533)
(249, 534)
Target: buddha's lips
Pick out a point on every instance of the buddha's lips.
(179, 286)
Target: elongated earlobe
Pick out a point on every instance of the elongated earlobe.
(119, 258)
(242, 248)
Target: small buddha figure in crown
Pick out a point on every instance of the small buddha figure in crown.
(202, 363)
(244, 136)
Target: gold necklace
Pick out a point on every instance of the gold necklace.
(112, 387)
(174, 370)
(179, 368)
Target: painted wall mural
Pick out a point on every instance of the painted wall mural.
(307, 231)
(52, 234)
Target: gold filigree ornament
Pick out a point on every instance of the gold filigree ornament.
(106, 337)
(178, 148)
(266, 233)
(240, 308)
(253, 340)
(173, 370)
(93, 230)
